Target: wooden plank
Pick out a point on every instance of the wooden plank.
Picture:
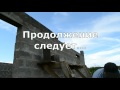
(66, 70)
(50, 71)
(75, 66)
(52, 64)
(83, 76)
(87, 71)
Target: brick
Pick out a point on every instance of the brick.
(22, 54)
(5, 70)
(32, 64)
(21, 73)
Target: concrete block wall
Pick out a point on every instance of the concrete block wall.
(26, 57)
(5, 70)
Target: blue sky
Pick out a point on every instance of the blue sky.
(105, 48)
(7, 41)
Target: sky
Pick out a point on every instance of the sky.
(98, 51)
(7, 41)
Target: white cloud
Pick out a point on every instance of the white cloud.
(58, 19)
(61, 13)
(6, 61)
(92, 60)
(105, 26)
(111, 39)
(104, 53)
(107, 20)
(8, 27)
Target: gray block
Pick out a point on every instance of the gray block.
(26, 56)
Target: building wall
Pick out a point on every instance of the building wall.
(26, 57)
(5, 70)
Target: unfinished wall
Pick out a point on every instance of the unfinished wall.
(26, 57)
(5, 70)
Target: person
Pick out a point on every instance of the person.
(110, 70)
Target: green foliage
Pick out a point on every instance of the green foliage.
(93, 69)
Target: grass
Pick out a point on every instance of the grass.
(93, 69)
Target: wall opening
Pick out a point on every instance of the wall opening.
(77, 56)
(7, 42)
